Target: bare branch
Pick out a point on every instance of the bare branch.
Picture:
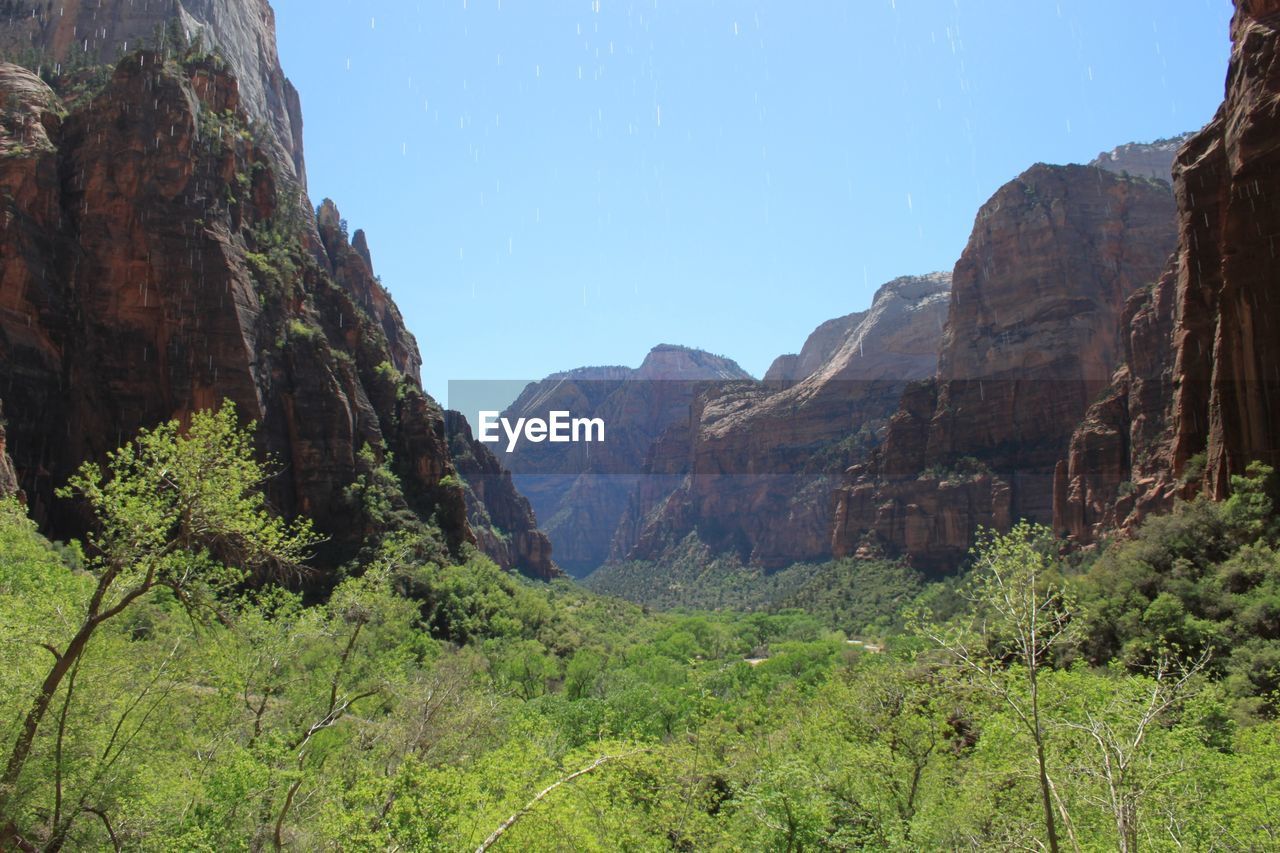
(529, 806)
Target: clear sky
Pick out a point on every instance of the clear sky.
(553, 183)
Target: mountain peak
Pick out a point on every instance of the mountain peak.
(1143, 159)
(671, 361)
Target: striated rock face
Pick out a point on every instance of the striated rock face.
(1033, 335)
(1198, 397)
(1117, 468)
(818, 349)
(75, 32)
(500, 516)
(581, 490)
(1152, 160)
(154, 264)
(756, 465)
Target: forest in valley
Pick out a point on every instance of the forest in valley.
(165, 687)
(341, 627)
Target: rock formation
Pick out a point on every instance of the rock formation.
(819, 347)
(156, 263)
(1033, 335)
(580, 490)
(500, 517)
(1198, 397)
(1152, 160)
(756, 465)
(75, 33)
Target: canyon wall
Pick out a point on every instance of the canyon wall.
(1198, 396)
(76, 33)
(1033, 335)
(155, 264)
(581, 490)
(161, 255)
(501, 518)
(756, 465)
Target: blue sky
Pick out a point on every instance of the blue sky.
(557, 183)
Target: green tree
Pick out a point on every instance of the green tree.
(524, 667)
(1116, 721)
(1021, 616)
(174, 510)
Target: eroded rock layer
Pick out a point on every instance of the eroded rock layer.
(155, 263)
(1152, 160)
(1198, 397)
(1033, 336)
(756, 465)
(76, 33)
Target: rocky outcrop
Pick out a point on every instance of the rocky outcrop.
(155, 263)
(74, 33)
(581, 490)
(500, 516)
(818, 349)
(1117, 469)
(756, 465)
(1198, 397)
(1152, 160)
(1033, 335)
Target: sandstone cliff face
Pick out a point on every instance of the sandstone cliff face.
(1033, 335)
(581, 490)
(500, 517)
(757, 464)
(818, 349)
(1152, 160)
(1118, 467)
(1199, 395)
(76, 32)
(154, 264)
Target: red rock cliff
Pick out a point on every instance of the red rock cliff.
(1033, 334)
(1199, 395)
(155, 263)
(76, 32)
(501, 517)
(758, 464)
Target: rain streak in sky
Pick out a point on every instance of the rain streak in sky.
(551, 184)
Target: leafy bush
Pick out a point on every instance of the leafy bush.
(1205, 578)
(300, 330)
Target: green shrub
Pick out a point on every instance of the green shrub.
(1194, 470)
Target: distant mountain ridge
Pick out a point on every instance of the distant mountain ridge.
(579, 491)
(757, 464)
(696, 444)
(821, 344)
